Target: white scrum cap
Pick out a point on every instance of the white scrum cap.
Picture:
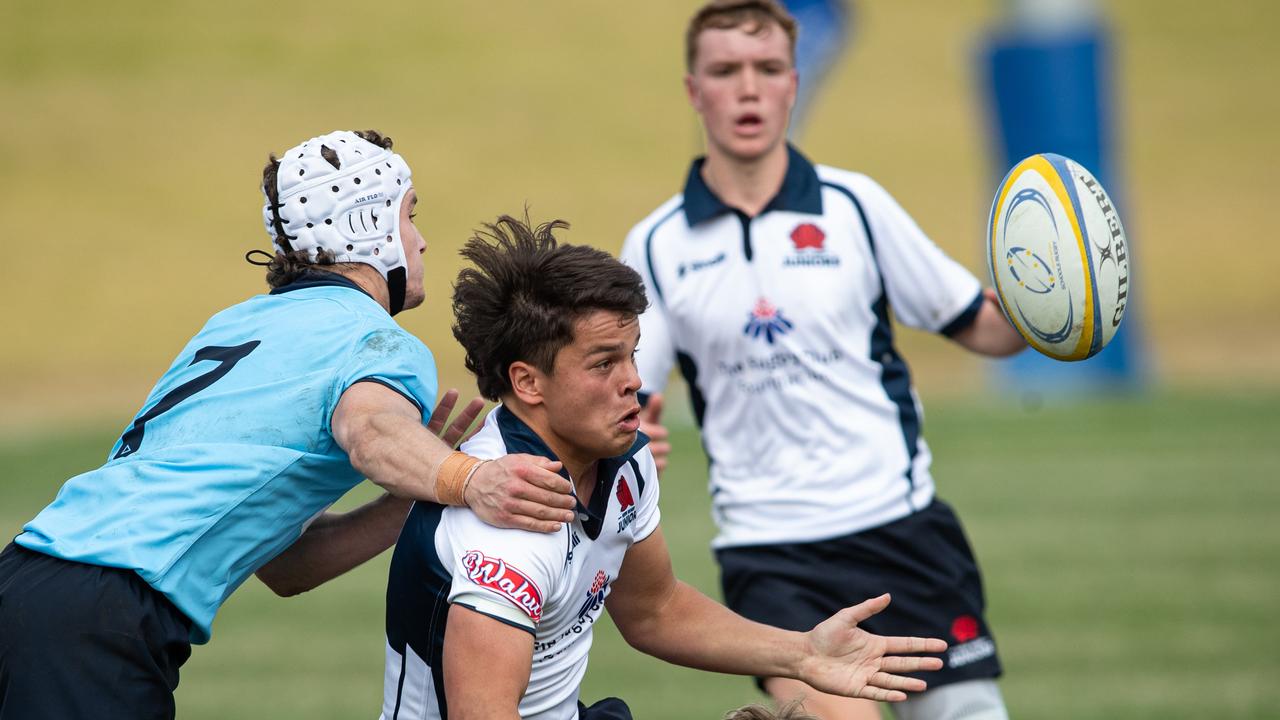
(352, 210)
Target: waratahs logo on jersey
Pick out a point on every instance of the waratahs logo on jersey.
(766, 321)
(506, 580)
(626, 505)
(810, 248)
(595, 596)
(808, 236)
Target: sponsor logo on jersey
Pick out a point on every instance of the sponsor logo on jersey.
(766, 321)
(810, 248)
(627, 505)
(595, 596)
(506, 580)
(696, 265)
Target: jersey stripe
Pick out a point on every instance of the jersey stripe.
(895, 376)
(689, 371)
(410, 592)
(648, 249)
(966, 316)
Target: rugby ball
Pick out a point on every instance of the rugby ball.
(1058, 257)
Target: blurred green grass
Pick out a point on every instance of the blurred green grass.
(1129, 546)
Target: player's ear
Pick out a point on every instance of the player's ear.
(691, 90)
(525, 382)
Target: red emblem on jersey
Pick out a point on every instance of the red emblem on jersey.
(624, 494)
(764, 310)
(595, 596)
(964, 628)
(506, 580)
(808, 236)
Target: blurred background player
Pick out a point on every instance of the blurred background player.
(825, 31)
(275, 409)
(771, 281)
(550, 330)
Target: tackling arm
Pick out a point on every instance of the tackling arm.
(386, 441)
(486, 666)
(663, 617)
(514, 491)
(337, 542)
(334, 544)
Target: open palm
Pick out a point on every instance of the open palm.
(847, 660)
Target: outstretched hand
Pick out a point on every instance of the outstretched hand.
(847, 660)
(651, 425)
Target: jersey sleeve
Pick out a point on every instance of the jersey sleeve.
(396, 359)
(927, 289)
(655, 355)
(505, 574)
(647, 513)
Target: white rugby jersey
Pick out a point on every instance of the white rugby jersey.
(780, 325)
(552, 585)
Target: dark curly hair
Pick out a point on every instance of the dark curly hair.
(287, 266)
(793, 710)
(526, 291)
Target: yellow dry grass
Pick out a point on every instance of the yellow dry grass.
(132, 134)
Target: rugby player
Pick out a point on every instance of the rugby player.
(276, 408)
(490, 623)
(771, 281)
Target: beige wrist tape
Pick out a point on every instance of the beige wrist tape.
(452, 478)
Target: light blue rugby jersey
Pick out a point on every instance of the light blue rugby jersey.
(235, 453)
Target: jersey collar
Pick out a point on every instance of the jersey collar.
(520, 438)
(319, 278)
(801, 191)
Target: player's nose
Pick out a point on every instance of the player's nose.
(631, 382)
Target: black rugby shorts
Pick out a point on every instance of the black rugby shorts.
(923, 559)
(85, 641)
(607, 709)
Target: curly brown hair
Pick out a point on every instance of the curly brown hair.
(286, 267)
(526, 291)
(793, 710)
